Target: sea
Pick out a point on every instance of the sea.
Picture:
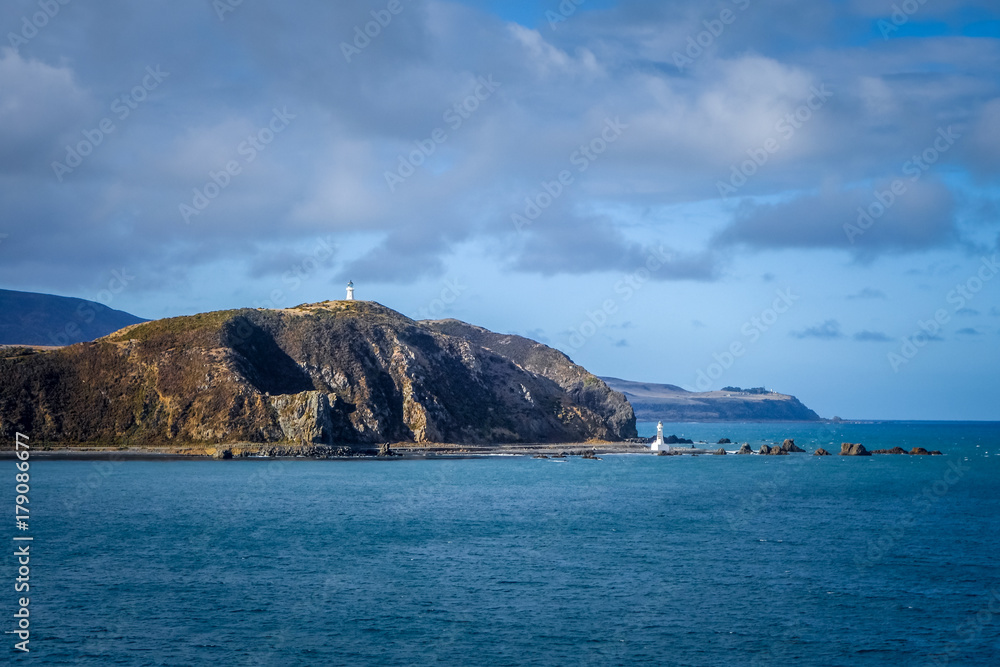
(626, 560)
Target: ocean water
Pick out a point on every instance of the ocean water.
(630, 560)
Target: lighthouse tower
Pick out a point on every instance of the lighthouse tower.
(658, 444)
(350, 290)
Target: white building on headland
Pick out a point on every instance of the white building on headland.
(658, 444)
(350, 290)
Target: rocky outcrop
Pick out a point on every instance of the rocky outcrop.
(674, 440)
(919, 451)
(894, 450)
(745, 449)
(614, 416)
(772, 451)
(789, 446)
(853, 449)
(724, 441)
(720, 451)
(320, 376)
(821, 452)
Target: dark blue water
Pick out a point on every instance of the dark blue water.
(632, 560)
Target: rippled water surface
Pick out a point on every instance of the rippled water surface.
(631, 560)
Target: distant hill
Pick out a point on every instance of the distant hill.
(668, 402)
(29, 318)
(334, 373)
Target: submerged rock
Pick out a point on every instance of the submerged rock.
(853, 449)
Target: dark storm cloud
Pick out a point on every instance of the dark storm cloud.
(352, 118)
(864, 221)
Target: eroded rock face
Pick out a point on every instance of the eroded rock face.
(320, 375)
(615, 417)
(853, 449)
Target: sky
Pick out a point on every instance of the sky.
(801, 196)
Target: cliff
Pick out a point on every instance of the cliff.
(616, 417)
(668, 402)
(335, 373)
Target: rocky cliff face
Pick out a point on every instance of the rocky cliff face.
(332, 373)
(615, 419)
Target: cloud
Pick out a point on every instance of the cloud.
(326, 173)
(828, 330)
(969, 331)
(923, 217)
(868, 293)
(871, 337)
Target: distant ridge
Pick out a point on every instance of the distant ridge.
(652, 402)
(30, 318)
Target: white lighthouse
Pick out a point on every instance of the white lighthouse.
(350, 290)
(658, 444)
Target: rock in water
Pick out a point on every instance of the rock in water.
(720, 451)
(724, 441)
(764, 450)
(821, 452)
(894, 450)
(333, 373)
(790, 446)
(745, 449)
(853, 449)
(919, 451)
